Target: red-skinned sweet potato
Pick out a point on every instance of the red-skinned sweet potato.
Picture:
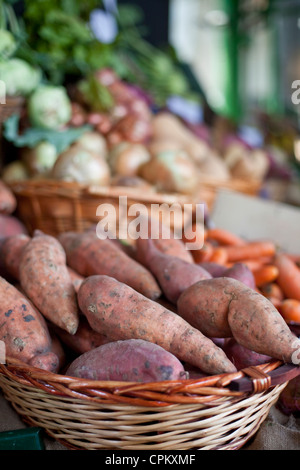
(173, 274)
(243, 357)
(76, 278)
(116, 310)
(164, 239)
(8, 202)
(10, 225)
(88, 255)
(242, 273)
(225, 307)
(45, 279)
(214, 269)
(84, 339)
(133, 360)
(11, 249)
(24, 330)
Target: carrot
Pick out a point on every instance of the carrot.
(290, 310)
(272, 290)
(10, 253)
(24, 330)
(45, 279)
(223, 307)
(203, 254)
(250, 250)
(265, 274)
(294, 257)
(219, 255)
(115, 309)
(89, 255)
(172, 273)
(288, 276)
(224, 237)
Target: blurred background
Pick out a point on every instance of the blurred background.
(228, 69)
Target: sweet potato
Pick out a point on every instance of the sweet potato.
(24, 330)
(242, 273)
(45, 279)
(76, 278)
(88, 255)
(243, 357)
(224, 307)
(10, 253)
(8, 202)
(173, 247)
(116, 310)
(10, 225)
(132, 360)
(84, 339)
(173, 274)
(214, 269)
(58, 349)
(165, 241)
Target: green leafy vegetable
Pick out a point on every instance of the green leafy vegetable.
(33, 136)
(95, 94)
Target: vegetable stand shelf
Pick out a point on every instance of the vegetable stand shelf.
(213, 412)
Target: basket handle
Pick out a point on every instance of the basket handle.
(257, 380)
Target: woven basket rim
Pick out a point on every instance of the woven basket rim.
(233, 183)
(254, 379)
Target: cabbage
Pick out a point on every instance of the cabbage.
(19, 77)
(49, 107)
(7, 44)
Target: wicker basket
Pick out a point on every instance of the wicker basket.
(55, 207)
(214, 412)
(13, 105)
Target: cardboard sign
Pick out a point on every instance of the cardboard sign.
(255, 218)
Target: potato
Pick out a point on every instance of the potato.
(126, 158)
(171, 171)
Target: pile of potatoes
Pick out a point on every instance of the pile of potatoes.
(95, 308)
(171, 158)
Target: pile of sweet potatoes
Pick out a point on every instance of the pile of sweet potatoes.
(82, 306)
(9, 223)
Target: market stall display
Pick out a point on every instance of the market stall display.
(107, 340)
(206, 387)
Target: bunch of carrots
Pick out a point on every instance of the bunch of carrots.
(276, 272)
